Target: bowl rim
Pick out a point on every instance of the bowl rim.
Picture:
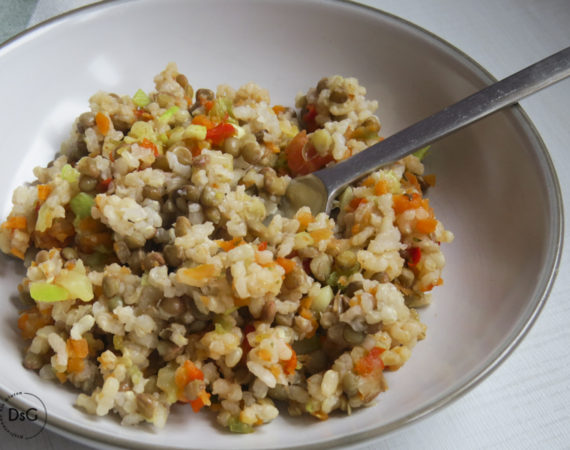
(550, 271)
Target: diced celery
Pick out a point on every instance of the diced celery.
(197, 132)
(322, 299)
(81, 205)
(421, 153)
(69, 174)
(345, 198)
(46, 292)
(166, 382)
(167, 115)
(77, 284)
(141, 130)
(237, 426)
(141, 99)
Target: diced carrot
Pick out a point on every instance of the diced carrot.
(203, 120)
(381, 187)
(209, 104)
(16, 223)
(430, 286)
(307, 314)
(426, 226)
(31, 321)
(370, 363)
(290, 365)
(197, 404)
(229, 245)
(287, 264)
(197, 276)
(75, 365)
(302, 158)
(356, 201)
(43, 192)
(145, 143)
(77, 348)
(61, 377)
(278, 109)
(304, 218)
(264, 354)
(262, 246)
(202, 400)
(321, 234)
(103, 123)
(368, 182)
(17, 253)
(272, 147)
(403, 202)
(306, 302)
(192, 371)
(413, 180)
(143, 115)
(430, 180)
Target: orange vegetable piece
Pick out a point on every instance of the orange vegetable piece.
(17, 253)
(290, 365)
(75, 365)
(356, 201)
(287, 264)
(16, 223)
(403, 202)
(278, 109)
(103, 123)
(197, 276)
(201, 401)
(264, 354)
(229, 245)
(381, 187)
(262, 246)
(302, 158)
(304, 218)
(150, 145)
(43, 192)
(426, 226)
(321, 234)
(77, 348)
(201, 119)
(370, 363)
(413, 180)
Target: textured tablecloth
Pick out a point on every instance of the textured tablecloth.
(525, 403)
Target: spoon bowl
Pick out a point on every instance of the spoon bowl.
(319, 189)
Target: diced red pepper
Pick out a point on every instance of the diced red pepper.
(302, 158)
(309, 118)
(103, 185)
(412, 256)
(220, 133)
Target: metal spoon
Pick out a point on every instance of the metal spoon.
(319, 189)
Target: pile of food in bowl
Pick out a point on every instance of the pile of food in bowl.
(159, 269)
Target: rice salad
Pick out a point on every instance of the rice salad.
(159, 269)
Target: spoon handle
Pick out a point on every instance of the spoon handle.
(490, 99)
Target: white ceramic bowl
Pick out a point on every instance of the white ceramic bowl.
(497, 189)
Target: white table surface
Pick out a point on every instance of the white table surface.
(525, 403)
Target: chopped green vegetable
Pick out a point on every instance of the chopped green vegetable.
(332, 280)
(197, 132)
(167, 115)
(76, 284)
(236, 426)
(45, 292)
(139, 131)
(81, 205)
(322, 299)
(345, 198)
(141, 99)
(421, 153)
(69, 174)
